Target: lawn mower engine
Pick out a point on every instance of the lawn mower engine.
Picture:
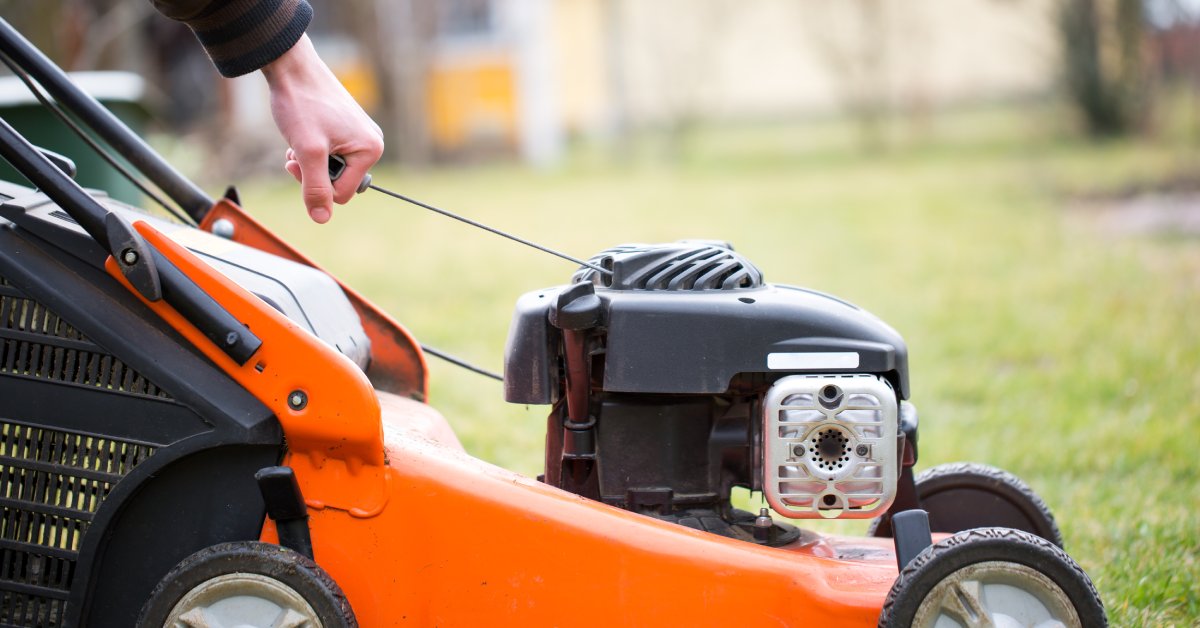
(678, 374)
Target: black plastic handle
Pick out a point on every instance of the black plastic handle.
(337, 167)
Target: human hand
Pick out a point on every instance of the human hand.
(318, 118)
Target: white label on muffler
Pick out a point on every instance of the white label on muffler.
(812, 361)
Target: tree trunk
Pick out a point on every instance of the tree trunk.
(1104, 72)
(396, 38)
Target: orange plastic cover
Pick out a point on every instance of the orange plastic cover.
(397, 362)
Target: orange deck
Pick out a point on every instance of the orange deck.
(465, 543)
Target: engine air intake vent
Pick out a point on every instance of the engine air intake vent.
(51, 484)
(678, 266)
(35, 342)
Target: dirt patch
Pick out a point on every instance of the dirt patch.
(1149, 214)
(1171, 209)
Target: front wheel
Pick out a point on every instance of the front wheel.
(247, 585)
(993, 577)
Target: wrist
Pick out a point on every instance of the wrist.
(297, 63)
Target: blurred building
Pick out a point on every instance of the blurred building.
(517, 76)
(636, 62)
(1175, 39)
(484, 74)
(470, 79)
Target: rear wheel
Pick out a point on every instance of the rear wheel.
(963, 495)
(247, 584)
(992, 577)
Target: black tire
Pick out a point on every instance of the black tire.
(281, 567)
(964, 495)
(992, 562)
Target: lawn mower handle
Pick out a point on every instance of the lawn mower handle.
(183, 191)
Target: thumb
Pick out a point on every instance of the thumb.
(315, 187)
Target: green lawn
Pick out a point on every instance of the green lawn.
(1039, 342)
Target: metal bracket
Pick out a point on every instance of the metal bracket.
(133, 256)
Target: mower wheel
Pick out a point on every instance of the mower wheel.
(964, 495)
(247, 584)
(992, 577)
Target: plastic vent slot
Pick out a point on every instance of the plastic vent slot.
(51, 485)
(63, 216)
(709, 268)
(679, 266)
(35, 342)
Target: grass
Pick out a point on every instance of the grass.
(1039, 343)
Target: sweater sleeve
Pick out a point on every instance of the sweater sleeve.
(241, 36)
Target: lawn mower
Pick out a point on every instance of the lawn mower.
(200, 427)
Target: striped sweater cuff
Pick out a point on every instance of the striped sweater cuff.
(242, 36)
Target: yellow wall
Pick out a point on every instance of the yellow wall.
(745, 58)
(473, 101)
(580, 68)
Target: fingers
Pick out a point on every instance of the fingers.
(315, 188)
(358, 163)
(291, 165)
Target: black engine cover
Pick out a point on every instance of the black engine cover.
(686, 318)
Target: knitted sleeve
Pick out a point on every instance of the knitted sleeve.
(241, 36)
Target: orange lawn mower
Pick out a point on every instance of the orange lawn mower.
(199, 427)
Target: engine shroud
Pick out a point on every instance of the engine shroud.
(681, 345)
(679, 338)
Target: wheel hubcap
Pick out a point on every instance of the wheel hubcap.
(996, 594)
(243, 600)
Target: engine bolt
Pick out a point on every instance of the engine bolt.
(297, 399)
(129, 256)
(762, 525)
(830, 397)
(224, 228)
(798, 451)
(862, 450)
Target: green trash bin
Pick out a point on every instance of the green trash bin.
(121, 92)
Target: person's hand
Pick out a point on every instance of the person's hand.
(318, 118)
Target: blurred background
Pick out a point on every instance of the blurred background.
(1013, 184)
(457, 82)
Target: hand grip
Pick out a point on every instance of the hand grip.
(337, 166)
